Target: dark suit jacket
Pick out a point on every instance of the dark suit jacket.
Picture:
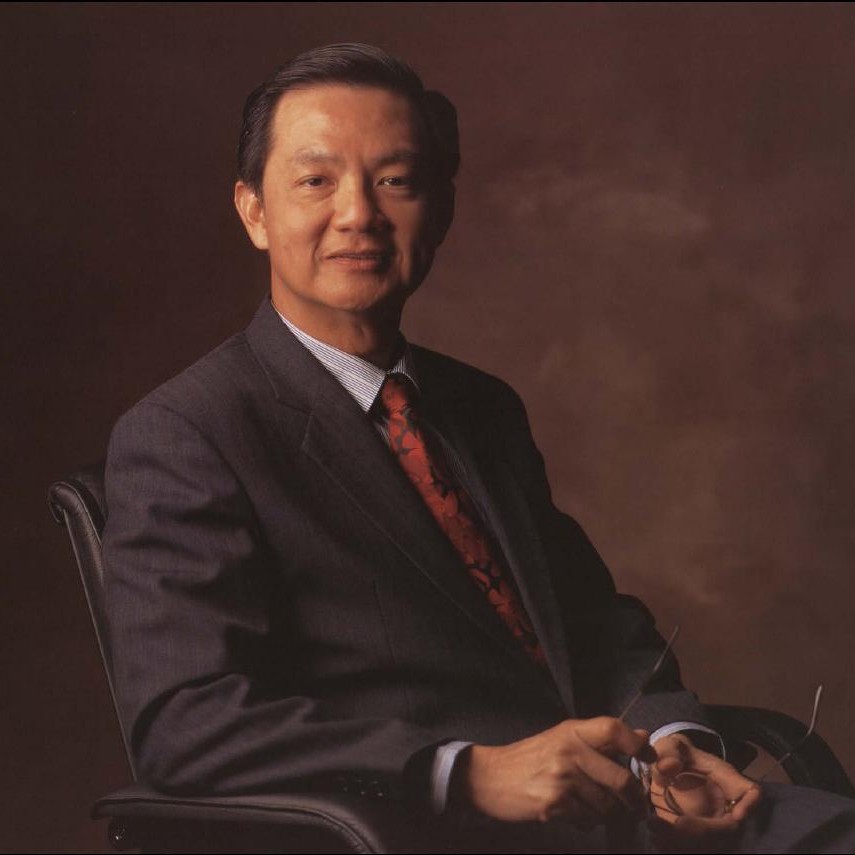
(285, 610)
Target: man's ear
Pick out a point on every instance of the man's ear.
(251, 211)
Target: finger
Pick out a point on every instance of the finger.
(663, 810)
(667, 816)
(710, 764)
(747, 803)
(694, 794)
(732, 783)
(674, 756)
(611, 736)
(668, 767)
(673, 746)
(621, 785)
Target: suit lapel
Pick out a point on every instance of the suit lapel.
(515, 528)
(341, 440)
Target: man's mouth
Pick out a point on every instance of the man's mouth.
(369, 254)
(370, 260)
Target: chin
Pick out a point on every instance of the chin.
(366, 295)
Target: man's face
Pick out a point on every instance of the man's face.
(345, 211)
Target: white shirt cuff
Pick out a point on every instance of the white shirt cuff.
(440, 774)
(637, 766)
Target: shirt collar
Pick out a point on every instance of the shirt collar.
(361, 378)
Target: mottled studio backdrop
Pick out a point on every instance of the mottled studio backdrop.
(655, 243)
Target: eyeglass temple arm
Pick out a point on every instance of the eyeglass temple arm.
(801, 742)
(653, 672)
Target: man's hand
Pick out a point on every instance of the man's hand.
(564, 771)
(706, 796)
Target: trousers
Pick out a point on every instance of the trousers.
(789, 819)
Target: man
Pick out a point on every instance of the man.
(333, 558)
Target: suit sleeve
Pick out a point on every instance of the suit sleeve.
(206, 686)
(612, 637)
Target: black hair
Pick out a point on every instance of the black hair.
(356, 65)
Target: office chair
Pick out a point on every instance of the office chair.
(141, 818)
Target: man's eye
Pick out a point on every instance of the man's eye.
(313, 181)
(397, 181)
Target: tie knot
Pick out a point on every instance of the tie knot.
(397, 393)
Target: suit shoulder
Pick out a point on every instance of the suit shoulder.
(216, 385)
(463, 377)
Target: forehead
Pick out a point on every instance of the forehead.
(341, 118)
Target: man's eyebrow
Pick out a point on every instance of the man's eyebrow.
(314, 155)
(308, 156)
(400, 155)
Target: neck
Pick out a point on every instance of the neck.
(372, 336)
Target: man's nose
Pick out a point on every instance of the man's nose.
(356, 207)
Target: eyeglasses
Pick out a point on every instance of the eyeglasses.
(692, 793)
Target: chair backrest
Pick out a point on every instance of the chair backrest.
(79, 503)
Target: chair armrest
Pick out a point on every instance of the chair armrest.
(813, 765)
(280, 822)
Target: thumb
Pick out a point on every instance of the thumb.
(673, 758)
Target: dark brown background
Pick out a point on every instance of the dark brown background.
(654, 244)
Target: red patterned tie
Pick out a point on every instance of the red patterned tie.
(453, 510)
